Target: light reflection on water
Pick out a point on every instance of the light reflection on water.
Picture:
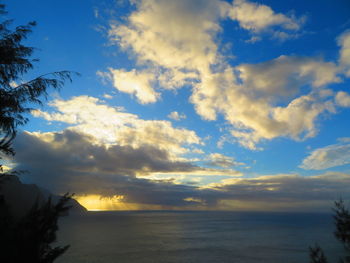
(166, 237)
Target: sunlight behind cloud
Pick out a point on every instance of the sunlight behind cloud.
(100, 203)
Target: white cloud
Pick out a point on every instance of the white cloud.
(174, 78)
(281, 97)
(136, 83)
(258, 17)
(298, 119)
(176, 116)
(250, 105)
(342, 99)
(107, 96)
(344, 58)
(110, 125)
(162, 32)
(327, 157)
(197, 151)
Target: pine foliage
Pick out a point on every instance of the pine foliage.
(342, 233)
(30, 238)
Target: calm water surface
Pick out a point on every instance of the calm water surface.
(144, 237)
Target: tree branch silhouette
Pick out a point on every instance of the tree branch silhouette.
(15, 61)
(342, 233)
(26, 239)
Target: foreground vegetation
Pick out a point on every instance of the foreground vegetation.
(342, 233)
(29, 238)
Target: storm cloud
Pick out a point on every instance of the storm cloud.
(71, 161)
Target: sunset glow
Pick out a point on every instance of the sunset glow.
(100, 203)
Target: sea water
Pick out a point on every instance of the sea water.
(175, 237)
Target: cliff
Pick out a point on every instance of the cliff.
(21, 197)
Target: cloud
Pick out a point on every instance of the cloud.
(220, 160)
(257, 17)
(136, 83)
(253, 103)
(172, 79)
(281, 97)
(285, 75)
(342, 99)
(112, 125)
(283, 191)
(176, 116)
(344, 56)
(197, 151)
(161, 32)
(82, 153)
(328, 157)
(250, 104)
(75, 162)
(107, 96)
(91, 123)
(71, 161)
(203, 172)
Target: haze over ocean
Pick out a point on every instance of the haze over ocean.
(185, 237)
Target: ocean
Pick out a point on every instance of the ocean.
(176, 237)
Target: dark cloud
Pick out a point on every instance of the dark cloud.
(220, 160)
(70, 161)
(81, 153)
(319, 191)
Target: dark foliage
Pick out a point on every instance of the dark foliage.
(317, 255)
(342, 224)
(26, 239)
(29, 239)
(342, 233)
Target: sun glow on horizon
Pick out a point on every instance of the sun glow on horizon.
(102, 203)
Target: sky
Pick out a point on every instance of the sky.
(201, 104)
